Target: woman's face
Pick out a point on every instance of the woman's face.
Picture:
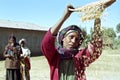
(71, 41)
(11, 40)
(22, 44)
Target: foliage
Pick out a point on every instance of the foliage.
(109, 32)
(108, 35)
(119, 37)
(117, 43)
(87, 37)
(118, 28)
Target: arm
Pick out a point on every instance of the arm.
(5, 55)
(48, 42)
(96, 36)
(57, 26)
(96, 44)
(5, 52)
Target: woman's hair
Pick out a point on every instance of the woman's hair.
(12, 36)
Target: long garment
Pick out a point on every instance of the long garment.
(13, 74)
(25, 72)
(79, 62)
(25, 64)
(12, 64)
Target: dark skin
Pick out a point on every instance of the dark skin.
(71, 41)
(66, 15)
(10, 45)
(22, 44)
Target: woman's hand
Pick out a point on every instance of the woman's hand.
(67, 11)
(57, 26)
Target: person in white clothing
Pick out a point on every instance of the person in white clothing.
(25, 60)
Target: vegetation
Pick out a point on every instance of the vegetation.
(106, 67)
(109, 35)
(118, 28)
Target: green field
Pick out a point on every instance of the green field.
(107, 67)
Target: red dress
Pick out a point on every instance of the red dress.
(81, 60)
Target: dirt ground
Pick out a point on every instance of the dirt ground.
(105, 68)
(39, 69)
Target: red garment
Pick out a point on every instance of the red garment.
(27, 61)
(81, 59)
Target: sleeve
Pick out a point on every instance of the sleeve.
(28, 52)
(48, 47)
(96, 41)
(94, 49)
(84, 57)
(5, 55)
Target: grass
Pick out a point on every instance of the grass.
(106, 67)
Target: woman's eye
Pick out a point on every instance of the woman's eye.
(71, 37)
(76, 39)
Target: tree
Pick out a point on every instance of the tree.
(108, 37)
(118, 28)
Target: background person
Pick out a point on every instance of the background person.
(12, 59)
(25, 60)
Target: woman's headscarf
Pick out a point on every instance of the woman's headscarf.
(22, 40)
(62, 34)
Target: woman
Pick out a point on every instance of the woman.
(12, 59)
(66, 61)
(25, 60)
